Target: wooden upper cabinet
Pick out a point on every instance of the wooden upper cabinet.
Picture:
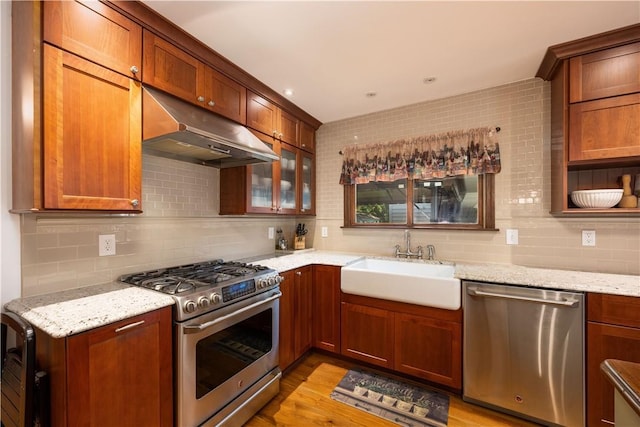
(95, 32)
(605, 128)
(266, 117)
(307, 137)
(171, 69)
(605, 73)
(225, 97)
(92, 135)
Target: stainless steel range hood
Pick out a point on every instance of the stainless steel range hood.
(178, 130)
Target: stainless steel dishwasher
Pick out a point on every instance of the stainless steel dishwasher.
(524, 352)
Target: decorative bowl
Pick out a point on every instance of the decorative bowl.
(606, 198)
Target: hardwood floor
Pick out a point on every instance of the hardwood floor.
(304, 400)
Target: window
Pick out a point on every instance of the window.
(457, 202)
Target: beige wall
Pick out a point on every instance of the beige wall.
(181, 224)
(521, 110)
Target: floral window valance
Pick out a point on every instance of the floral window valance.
(470, 152)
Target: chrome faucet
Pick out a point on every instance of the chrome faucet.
(408, 253)
(431, 252)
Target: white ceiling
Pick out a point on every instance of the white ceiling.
(331, 53)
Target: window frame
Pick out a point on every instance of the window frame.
(486, 210)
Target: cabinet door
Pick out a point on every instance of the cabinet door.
(605, 129)
(308, 188)
(171, 69)
(303, 311)
(262, 115)
(326, 308)
(287, 322)
(307, 137)
(225, 97)
(122, 373)
(95, 32)
(287, 188)
(288, 128)
(92, 135)
(606, 342)
(367, 334)
(606, 73)
(429, 349)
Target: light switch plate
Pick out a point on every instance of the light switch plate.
(324, 232)
(512, 236)
(588, 237)
(270, 233)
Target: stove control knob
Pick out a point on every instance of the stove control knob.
(203, 302)
(215, 298)
(272, 281)
(190, 306)
(279, 279)
(262, 283)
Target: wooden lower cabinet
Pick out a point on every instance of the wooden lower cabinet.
(367, 334)
(613, 332)
(295, 315)
(424, 342)
(118, 374)
(429, 348)
(326, 308)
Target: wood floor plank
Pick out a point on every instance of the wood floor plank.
(304, 400)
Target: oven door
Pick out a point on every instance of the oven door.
(221, 354)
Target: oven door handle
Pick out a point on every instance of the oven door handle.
(192, 329)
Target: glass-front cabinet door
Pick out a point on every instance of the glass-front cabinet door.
(288, 179)
(307, 202)
(262, 198)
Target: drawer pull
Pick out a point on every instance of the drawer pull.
(129, 326)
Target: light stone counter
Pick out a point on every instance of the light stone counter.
(617, 284)
(66, 313)
(61, 314)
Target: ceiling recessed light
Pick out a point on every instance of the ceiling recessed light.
(428, 80)
(288, 92)
(370, 94)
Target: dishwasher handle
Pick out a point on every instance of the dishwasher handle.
(564, 302)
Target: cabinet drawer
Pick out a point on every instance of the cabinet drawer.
(614, 309)
(95, 32)
(605, 129)
(605, 73)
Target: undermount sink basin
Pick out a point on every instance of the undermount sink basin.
(420, 283)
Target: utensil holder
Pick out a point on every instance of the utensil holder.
(299, 242)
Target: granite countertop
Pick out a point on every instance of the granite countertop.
(625, 377)
(66, 313)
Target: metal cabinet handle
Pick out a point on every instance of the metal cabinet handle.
(275, 133)
(135, 203)
(129, 326)
(134, 69)
(298, 273)
(564, 302)
(201, 98)
(211, 103)
(281, 135)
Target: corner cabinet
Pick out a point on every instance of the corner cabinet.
(122, 371)
(326, 308)
(282, 187)
(595, 116)
(77, 108)
(613, 332)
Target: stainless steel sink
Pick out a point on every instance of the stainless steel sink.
(422, 283)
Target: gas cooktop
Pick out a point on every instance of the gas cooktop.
(206, 286)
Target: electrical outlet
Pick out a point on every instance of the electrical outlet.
(106, 244)
(270, 233)
(324, 232)
(512, 236)
(588, 237)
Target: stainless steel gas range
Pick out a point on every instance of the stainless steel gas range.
(226, 338)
